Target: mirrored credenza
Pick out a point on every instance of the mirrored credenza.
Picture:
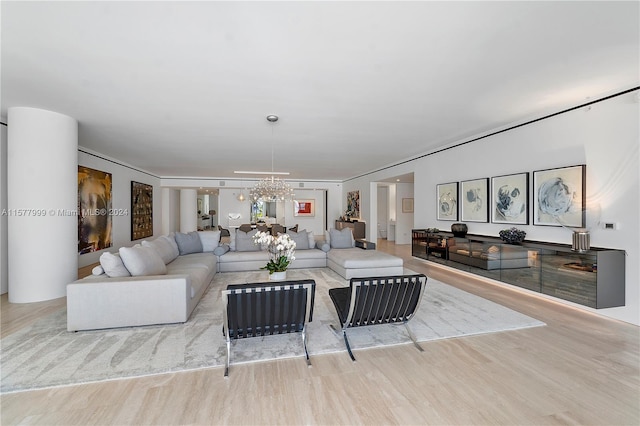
(595, 278)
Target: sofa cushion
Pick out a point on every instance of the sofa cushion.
(209, 239)
(353, 258)
(163, 248)
(301, 239)
(341, 238)
(188, 243)
(244, 241)
(171, 238)
(98, 270)
(250, 256)
(140, 260)
(113, 265)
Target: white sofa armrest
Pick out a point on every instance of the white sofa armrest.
(130, 301)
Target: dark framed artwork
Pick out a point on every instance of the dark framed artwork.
(302, 208)
(141, 210)
(353, 203)
(510, 199)
(559, 196)
(474, 197)
(447, 201)
(94, 210)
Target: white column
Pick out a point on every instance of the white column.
(188, 210)
(4, 276)
(166, 211)
(42, 179)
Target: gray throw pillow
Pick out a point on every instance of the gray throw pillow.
(188, 243)
(341, 239)
(244, 241)
(323, 245)
(301, 239)
(221, 249)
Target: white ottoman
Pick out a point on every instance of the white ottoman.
(356, 262)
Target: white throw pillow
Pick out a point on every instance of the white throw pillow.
(171, 238)
(327, 237)
(162, 247)
(141, 261)
(113, 266)
(232, 239)
(210, 240)
(98, 270)
(312, 239)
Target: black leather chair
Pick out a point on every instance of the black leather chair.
(263, 309)
(223, 232)
(245, 227)
(378, 300)
(277, 228)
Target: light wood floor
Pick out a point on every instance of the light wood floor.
(579, 369)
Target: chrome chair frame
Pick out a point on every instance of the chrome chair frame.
(276, 309)
(380, 300)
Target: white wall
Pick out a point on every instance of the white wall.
(404, 221)
(4, 280)
(188, 210)
(228, 202)
(605, 137)
(122, 176)
(368, 187)
(383, 211)
(313, 223)
(393, 213)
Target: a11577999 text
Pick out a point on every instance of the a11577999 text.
(64, 212)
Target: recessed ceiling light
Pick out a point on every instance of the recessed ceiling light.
(244, 172)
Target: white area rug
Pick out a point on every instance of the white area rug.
(46, 355)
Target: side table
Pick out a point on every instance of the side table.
(365, 245)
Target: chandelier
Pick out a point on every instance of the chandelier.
(271, 188)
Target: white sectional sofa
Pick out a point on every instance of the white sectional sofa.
(165, 288)
(243, 255)
(162, 281)
(356, 262)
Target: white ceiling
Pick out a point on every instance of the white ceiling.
(183, 88)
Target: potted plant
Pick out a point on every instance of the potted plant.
(281, 251)
(348, 214)
(512, 235)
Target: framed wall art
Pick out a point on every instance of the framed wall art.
(302, 208)
(510, 199)
(94, 210)
(353, 203)
(141, 210)
(447, 201)
(474, 197)
(407, 205)
(559, 196)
